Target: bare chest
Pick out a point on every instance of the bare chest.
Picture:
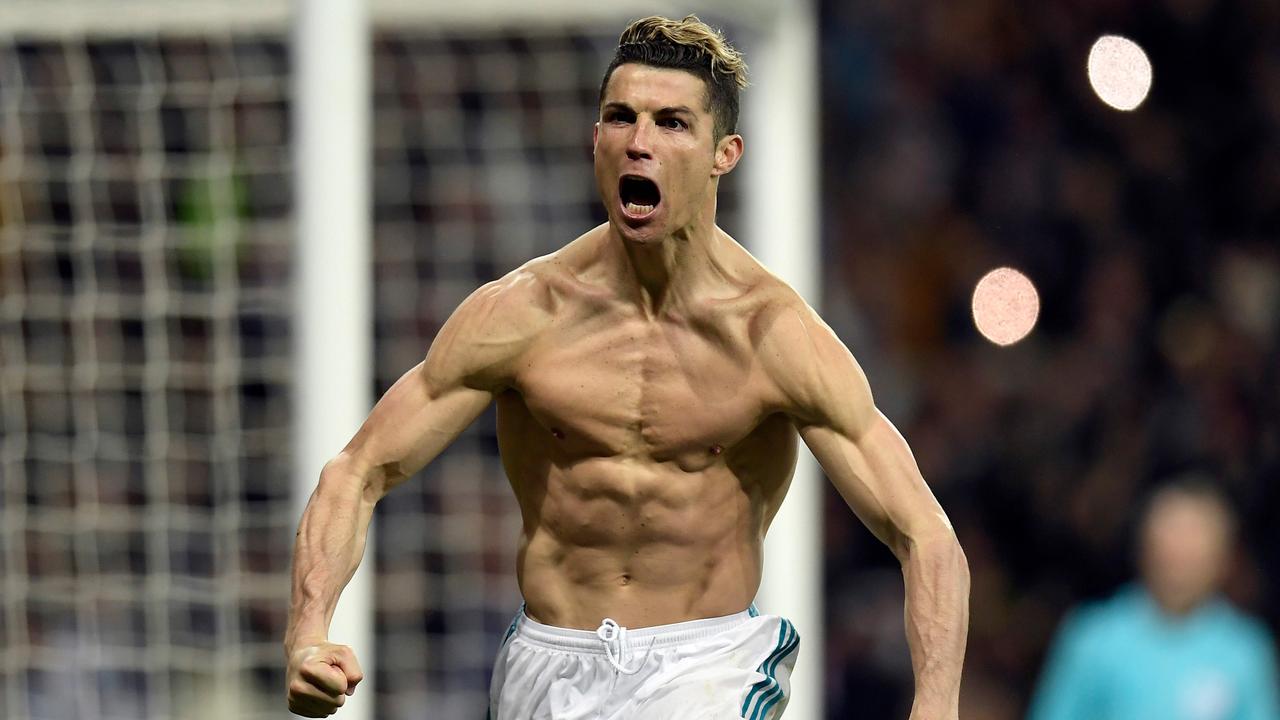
(662, 392)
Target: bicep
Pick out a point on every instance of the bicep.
(410, 425)
(429, 406)
(863, 454)
(875, 473)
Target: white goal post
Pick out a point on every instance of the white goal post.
(179, 204)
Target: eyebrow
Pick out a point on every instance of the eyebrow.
(615, 105)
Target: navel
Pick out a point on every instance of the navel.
(557, 433)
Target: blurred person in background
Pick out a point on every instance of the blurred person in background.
(1169, 647)
(958, 137)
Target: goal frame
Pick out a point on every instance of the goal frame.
(331, 85)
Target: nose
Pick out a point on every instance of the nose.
(638, 147)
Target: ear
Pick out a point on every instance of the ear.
(595, 137)
(728, 153)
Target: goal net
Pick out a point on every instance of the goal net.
(144, 373)
(146, 236)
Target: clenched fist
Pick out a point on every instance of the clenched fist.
(320, 677)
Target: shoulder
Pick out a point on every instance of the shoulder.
(494, 325)
(514, 303)
(1242, 628)
(804, 358)
(788, 327)
(526, 293)
(522, 303)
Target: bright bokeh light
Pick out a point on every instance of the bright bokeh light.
(1119, 72)
(1005, 306)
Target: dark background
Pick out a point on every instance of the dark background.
(958, 137)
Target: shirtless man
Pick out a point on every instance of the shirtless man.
(651, 379)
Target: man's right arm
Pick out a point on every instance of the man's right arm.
(425, 410)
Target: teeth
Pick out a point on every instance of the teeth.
(635, 209)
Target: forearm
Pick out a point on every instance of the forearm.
(328, 548)
(937, 621)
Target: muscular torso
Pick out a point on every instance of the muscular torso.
(648, 454)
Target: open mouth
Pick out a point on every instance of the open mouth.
(640, 196)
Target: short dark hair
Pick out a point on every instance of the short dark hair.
(693, 46)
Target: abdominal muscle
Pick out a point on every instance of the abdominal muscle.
(639, 542)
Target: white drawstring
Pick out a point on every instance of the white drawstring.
(611, 633)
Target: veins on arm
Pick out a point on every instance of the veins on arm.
(871, 466)
(410, 425)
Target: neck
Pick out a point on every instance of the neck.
(1178, 606)
(662, 272)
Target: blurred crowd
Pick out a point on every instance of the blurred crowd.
(958, 137)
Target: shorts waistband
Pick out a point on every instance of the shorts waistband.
(655, 636)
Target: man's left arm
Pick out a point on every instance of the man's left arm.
(871, 466)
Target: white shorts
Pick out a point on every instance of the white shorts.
(723, 668)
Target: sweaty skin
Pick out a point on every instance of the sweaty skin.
(651, 379)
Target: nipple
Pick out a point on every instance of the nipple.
(716, 449)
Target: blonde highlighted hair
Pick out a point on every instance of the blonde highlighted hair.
(693, 46)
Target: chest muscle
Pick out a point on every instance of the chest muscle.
(643, 389)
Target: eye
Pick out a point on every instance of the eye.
(673, 123)
(619, 116)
